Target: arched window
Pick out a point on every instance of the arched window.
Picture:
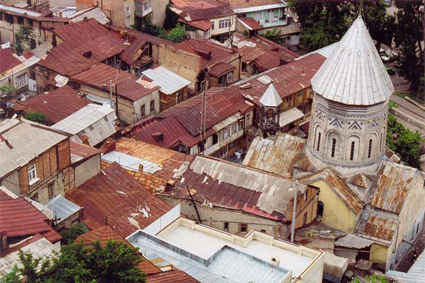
(333, 147)
(369, 153)
(319, 136)
(353, 145)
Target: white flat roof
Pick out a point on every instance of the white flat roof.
(205, 245)
(20, 11)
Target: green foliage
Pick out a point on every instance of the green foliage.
(404, 142)
(12, 277)
(69, 235)
(23, 38)
(408, 36)
(372, 279)
(116, 262)
(37, 117)
(273, 35)
(177, 34)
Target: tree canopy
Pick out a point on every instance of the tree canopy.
(37, 117)
(115, 262)
(23, 38)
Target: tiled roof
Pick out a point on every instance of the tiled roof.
(250, 23)
(144, 36)
(132, 53)
(100, 74)
(240, 187)
(56, 105)
(354, 73)
(210, 52)
(287, 79)
(221, 69)
(180, 124)
(114, 195)
(8, 59)
(19, 218)
(173, 276)
(201, 9)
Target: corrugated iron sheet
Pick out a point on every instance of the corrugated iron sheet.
(353, 241)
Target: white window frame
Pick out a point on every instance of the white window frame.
(221, 24)
(32, 174)
(21, 81)
(226, 132)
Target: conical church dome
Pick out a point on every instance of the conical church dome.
(354, 73)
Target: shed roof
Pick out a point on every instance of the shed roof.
(100, 74)
(193, 10)
(62, 208)
(19, 218)
(250, 23)
(81, 151)
(377, 226)
(8, 59)
(277, 155)
(56, 105)
(353, 241)
(168, 81)
(114, 194)
(238, 4)
(21, 142)
(132, 53)
(354, 73)
(240, 187)
(221, 68)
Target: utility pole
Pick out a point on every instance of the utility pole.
(294, 215)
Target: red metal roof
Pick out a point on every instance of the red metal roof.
(172, 276)
(137, 34)
(180, 124)
(268, 60)
(83, 150)
(202, 9)
(287, 79)
(251, 23)
(221, 69)
(210, 53)
(56, 105)
(249, 54)
(19, 218)
(8, 60)
(100, 74)
(132, 53)
(114, 194)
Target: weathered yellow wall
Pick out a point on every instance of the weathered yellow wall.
(336, 213)
(378, 254)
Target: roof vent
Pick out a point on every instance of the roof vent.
(158, 136)
(276, 260)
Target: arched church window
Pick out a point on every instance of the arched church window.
(318, 141)
(353, 144)
(333, 147)
(369, 153)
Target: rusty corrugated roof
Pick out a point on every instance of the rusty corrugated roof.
(133, 52)
(277, 155)
(172, 276)
(101, 74)
(8, 59)
(377, 226)
(250, 23)
(113, 194)
(221, 69)
(201, 9)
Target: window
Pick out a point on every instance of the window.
(214, 139)
(224, 23)
(142, 110)
(288, 98)
(9, 18)
(369, 154)
(305, 195)
(212, 25)
(226, 226)
(91, 128)
(244, 228)
(35, 197)
(32, 174)
(305, 218)
(318, 141)
(300, 93)
(333, 147)
(234, 128)
(248, 119)
(21, 81)
(226, 132)
(241, 124)
(51, 190)
(152, 105)
(20, 20)
(352, 150)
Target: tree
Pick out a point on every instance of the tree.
(115, 262)
(408, 37)
(272, 35)
(322, 22)
(12, 277)
(404, 142)
(69, 235)
(37, 117)
(24, 36)
(177, 34)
